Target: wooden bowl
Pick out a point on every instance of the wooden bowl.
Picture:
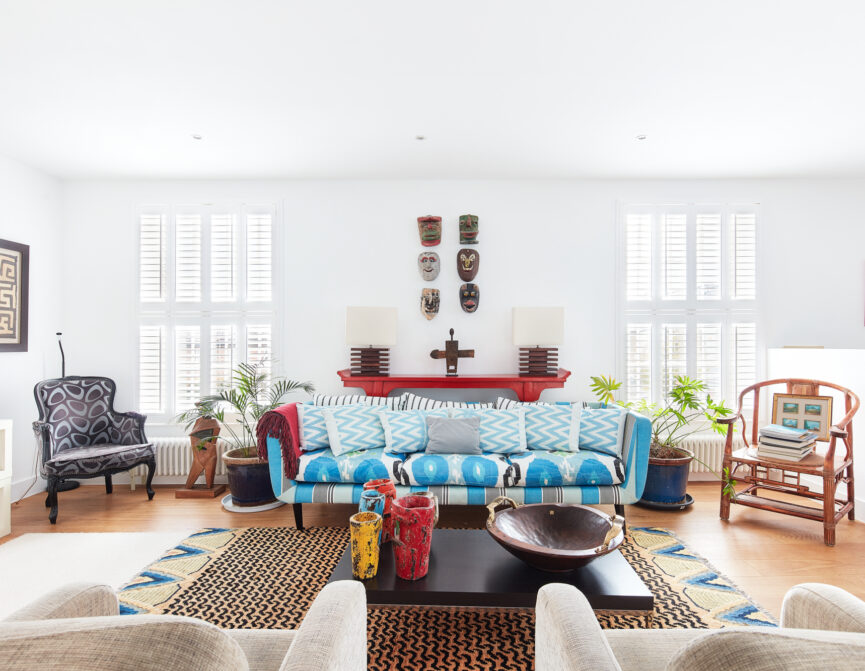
(554, 536)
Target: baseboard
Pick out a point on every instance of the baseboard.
(20, 486)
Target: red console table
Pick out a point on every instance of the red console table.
(526, 388)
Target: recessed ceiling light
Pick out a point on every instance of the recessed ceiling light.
(420, 137)
(641, 137)
(196, 136)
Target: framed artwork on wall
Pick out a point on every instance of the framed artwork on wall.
(14, 295)
(809, 413)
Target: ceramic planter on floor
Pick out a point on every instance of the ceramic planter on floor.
(413, 521)
(248, 479)
(372, 501)
(386, 487)
(365, 531)
(667, 480)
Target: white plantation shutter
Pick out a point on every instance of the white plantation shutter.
(674, 257)
(151, 251)
(743, 356)
(151, 369)
(223, 258)
(708, 263)
(744, 256)
(259, 264)
(187, 366)
(638, 358)
(187, 258)
(675, 354)
(709, 357)
(223, 346)
(259, 347)
(638, 257)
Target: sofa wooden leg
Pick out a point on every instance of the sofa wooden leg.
(109, 486)
(298, 515)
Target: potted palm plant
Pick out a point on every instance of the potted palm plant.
(687, 409)
(238, 408)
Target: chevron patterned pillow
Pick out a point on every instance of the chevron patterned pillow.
(392, 402)
(503, 403)
(502, 431)
(414, 402)
(353, 427)
(406, 431)
(601, 429)
(553, 427)
(313, 430)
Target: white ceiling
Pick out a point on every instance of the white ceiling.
(324, 88)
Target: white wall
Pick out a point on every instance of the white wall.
(31, 213)
(541, 242)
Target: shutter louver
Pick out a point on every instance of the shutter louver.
(744, 234)
(187, 367)
(744, 356)
(638, 361)
(150, 368)
(223, 259)
(709, 357)
(675, 353)
(259, 348)
(674, 260)
(151, 251)
(708, 264)
(638, 257)
(222, 349)
(259, 243)
(187, 258)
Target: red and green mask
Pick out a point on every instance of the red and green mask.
(430, 229)
(468, 229)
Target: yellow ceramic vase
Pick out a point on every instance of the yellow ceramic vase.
(365, 532)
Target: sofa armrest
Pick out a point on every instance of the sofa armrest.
(567, 634)
(119, 643)
(74, 600)
(635, 454)
(760, 649)
(817, 606)
(332, 636)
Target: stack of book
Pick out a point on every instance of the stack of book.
(785, 443)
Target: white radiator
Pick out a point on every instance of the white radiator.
(709, 449)
(173, 459)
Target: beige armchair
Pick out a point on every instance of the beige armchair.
(78, 627)
(821, 627)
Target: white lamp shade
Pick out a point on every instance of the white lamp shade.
(370, 327)
(542, 327)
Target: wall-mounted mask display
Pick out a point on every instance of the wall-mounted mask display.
(467, 263)
(468, 229)
(429, 303)
(430, 229)
(429, 265)
(470, 296)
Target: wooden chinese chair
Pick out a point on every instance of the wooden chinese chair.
(757, 472)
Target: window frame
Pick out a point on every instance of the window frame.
(657, 311)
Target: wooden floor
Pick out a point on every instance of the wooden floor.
(764, 553)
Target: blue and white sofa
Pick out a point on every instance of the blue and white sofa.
(532, 452)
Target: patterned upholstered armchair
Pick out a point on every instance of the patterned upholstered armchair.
(83, 436)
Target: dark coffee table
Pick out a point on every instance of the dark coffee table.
(468, 568)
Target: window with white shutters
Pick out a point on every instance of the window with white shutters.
(688, 298)
(206, 299)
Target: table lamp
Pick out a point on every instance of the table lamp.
(370, 332)
(536, 331)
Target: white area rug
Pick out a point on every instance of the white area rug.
(34, 564)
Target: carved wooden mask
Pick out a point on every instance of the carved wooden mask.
(467, 263)
(429, 265)
(470, 296)
(468, 229)
(429, 302)
(430, 229)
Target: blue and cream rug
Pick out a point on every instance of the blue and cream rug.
(268, 577)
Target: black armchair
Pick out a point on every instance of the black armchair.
(84, 437)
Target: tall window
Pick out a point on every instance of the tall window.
(688, 298)
(206, 300)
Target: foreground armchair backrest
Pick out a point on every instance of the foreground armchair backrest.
(77, 627)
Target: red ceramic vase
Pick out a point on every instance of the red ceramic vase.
(386, 487)
(413, 521)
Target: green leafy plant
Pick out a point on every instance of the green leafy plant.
(251, 394)
(605, 388)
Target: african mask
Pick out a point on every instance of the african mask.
(470, 296)
(467, 263)
(429, 265)
(468, 229)
(429, 303)
(430, 229)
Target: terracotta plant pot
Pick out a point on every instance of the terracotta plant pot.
(248, 479)
(413, 521)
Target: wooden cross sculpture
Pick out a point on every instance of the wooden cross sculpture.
(452, 354)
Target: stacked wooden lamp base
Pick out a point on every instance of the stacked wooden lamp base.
(539, 361)
(370, 361)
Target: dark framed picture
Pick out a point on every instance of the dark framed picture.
(14, 295)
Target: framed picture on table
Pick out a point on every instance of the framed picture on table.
(809, 413)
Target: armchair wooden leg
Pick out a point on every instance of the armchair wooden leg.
(109, 486)
(829, 510)
(151, 469)
(53, 484)
(298, 515)
(851, 491)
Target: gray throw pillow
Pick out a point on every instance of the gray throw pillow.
(458, 435)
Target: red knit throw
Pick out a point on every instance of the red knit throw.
(281, 424)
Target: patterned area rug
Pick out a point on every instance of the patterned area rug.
(268, 577)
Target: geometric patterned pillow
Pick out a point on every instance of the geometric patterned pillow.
(353, 427)
(313, 430)
(601, 429)
(503, 403)
(414, 402)
(406, 431)
(553, 427)
(392, 402)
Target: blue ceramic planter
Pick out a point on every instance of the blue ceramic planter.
(666, 480)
